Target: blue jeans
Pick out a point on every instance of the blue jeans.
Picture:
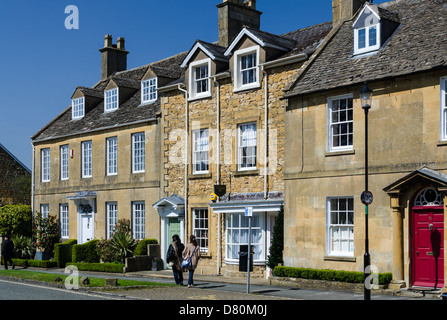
(178, 275)
(191, 274)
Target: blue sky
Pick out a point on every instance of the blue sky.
(42, 62)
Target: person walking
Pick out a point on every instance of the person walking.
(174, 258)
(8, 251)
(192, 251)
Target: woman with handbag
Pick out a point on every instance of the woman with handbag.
(174, 258)
(192, 255)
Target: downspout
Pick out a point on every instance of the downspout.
(32, 178)
(266, 166)
(218, 172)
(186, 161)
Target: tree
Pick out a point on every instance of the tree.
(16, 219)
(276, 249)
(46, 232)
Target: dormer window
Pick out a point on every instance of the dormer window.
(111, 100)
(199, 78)
(246, 66)
(78, 108)
(149, 90)
(367, 39)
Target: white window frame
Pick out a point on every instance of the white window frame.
(339, 124)
(112, 217)
(200, 227)
(443, 109)
(238, 71)
(193, 80)
(111, 100)
(46, 164)
(149, 90)
(368, 47)
(64, 156)
(200, 151)
(236, 226)
(241, 146)
(45, 210)
(347, 228)
(138, 219)
(64, 220)
(77, 108)
(112, 156)
(87, 159)
(138, 152)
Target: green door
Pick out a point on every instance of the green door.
(173, 228)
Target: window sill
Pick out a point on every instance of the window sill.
(340, 153)
(252, 86)
(199, 97)
(254, 172)
(199, 176)
(339, 258)
(442, 143)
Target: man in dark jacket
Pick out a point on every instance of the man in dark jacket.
(8, 252)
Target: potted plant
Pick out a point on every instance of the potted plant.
(157, 264)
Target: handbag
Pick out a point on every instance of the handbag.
(187, 262)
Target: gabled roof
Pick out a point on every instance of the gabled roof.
(435, 177)
(14, 158)
(262, 38)
(174, 201)
(416, 46)
(89, 92)
(214, 51)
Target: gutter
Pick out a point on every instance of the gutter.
(284, 61)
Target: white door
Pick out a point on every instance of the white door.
(86, 228)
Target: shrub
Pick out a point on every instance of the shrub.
(106, 252)
(328, 275)
(141, 249)
(16, 219)
(35, 263)
(46, 232)
(101, 267)
(23, 246)
(63, 252)
(124, 245)
(87, 252)
(277, 247)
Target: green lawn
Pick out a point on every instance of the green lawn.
(94, 282)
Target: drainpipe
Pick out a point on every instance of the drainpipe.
(186, 161)
(218, 172)
(266, 92)
(32, 178)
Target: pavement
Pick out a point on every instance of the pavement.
(222, 288)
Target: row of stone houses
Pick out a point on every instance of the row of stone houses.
(273, 120)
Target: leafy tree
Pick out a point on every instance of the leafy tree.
(16, 219)
(46, 232)
(276, 250)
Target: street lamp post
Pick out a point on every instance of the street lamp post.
(366, 197)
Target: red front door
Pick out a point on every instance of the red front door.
(428, 248)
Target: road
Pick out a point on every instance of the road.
(13, 290)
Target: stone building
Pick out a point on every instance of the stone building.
(99, 160)
(15, 186)
(395, 48)
(223, 125)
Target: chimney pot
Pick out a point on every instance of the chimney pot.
(121, 43)
(108, 41)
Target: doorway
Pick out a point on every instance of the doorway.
(428, 245)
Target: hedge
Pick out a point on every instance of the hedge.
(63, 252)
(87, 252)
(141, 249)
(328, 275)
(35, 263)
(101, 267)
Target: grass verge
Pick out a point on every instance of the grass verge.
(94, 282)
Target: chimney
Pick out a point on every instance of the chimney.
(113, 57)
(345, 9)
(233, 16)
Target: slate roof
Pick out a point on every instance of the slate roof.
(131, 111)
(419, 44)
